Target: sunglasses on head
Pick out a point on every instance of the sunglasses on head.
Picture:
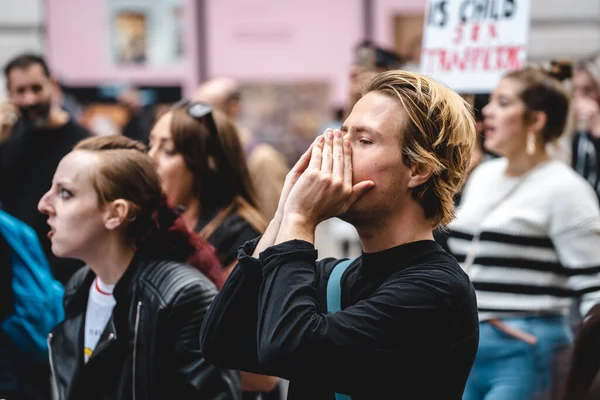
(201, 112)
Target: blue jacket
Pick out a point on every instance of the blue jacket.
(37, 295)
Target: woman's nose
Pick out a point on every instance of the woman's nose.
(486, 110)
(44, 205)
(152, 153)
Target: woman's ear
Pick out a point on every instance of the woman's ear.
(419, 174)
(116, 214)
(537, 121)
(212, 164)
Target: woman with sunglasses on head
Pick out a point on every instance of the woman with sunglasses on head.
(528, 234)
(202, 167)
(133, 314)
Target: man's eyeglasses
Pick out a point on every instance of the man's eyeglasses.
(201, 112)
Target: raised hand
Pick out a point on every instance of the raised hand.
(293, 176)
(325, 188)
(270, 235)
(8, 116)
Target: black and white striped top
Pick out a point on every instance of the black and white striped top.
(539, 248)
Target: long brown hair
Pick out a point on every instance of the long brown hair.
(218, 163)
(125, 171)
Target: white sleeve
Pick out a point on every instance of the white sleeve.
(575, 232)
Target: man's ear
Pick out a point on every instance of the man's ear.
(419, 174)
(56, 91)
(55, 85)
(116, 214)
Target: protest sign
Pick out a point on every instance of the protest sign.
(470, 44)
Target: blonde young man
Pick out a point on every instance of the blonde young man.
(408, 324)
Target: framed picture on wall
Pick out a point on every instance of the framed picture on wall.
(146, 32)
(130, 37)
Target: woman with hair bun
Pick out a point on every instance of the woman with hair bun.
(528, 233)
(133, 313)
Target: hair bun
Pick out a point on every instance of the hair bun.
(560, 70)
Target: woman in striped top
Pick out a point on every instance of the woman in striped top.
(528, 233)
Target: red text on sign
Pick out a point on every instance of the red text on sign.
(486, 59)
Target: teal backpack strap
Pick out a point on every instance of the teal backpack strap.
(334, 286)
(334, 298)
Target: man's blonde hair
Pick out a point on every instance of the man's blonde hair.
(440, 135)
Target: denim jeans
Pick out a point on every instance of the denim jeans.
(506, 368)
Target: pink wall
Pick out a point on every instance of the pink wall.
(78, 42)
(252, 41)
(277, 40)
(384, 13)
(258, 40)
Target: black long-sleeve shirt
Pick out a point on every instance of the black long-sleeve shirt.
(408, 328)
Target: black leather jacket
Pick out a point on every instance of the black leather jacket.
(150, 348)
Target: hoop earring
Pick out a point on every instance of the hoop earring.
(530, 149)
